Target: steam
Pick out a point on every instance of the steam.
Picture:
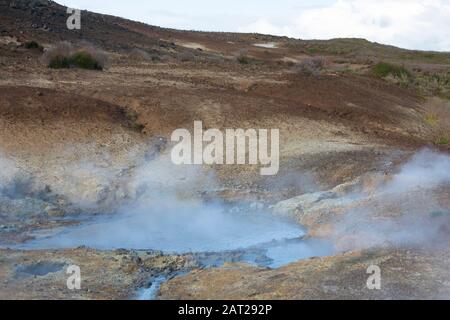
(162, 207)
(410, 210)
(14, 182)
(426, 169)
(8, 172)
(158, 205)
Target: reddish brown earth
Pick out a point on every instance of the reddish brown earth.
(335, 127)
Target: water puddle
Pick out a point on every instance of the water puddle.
(38, 269)
(287, 252)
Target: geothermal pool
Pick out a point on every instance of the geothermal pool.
(200, 233)
(213, 233)
(178, 228)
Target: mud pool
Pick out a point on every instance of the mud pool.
(213, 234)
(211, 229)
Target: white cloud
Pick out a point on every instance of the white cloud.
(413, 24)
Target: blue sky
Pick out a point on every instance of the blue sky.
(412, 24)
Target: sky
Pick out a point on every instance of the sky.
(411, 24)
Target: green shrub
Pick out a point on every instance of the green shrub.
(33, 45)
(63, 55)
(85, 60)
(60, 62)
(384, 69)
(80, 59)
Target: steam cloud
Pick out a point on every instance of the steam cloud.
(157, 205)
(411, 209)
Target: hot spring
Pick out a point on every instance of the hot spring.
(188, 227)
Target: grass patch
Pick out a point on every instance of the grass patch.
(437, 84)
(384, 69)
(361, 49)
(431, 119)
(443, 141)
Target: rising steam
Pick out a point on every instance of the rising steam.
(411, 209)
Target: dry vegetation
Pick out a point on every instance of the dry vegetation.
(64, 55)
(438, 118)
(311, 66)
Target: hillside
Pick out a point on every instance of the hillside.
(79, 145)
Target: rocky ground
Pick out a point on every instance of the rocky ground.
(105, 275)
(73, 142)
(406, 274)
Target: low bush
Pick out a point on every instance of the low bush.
(311, 66)
(425, 82)
(133, 120)
(242, 57)
(64, 55)
(384, 69)
(33, 45)
(433, 84)
(60, 62)
(85, 60)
